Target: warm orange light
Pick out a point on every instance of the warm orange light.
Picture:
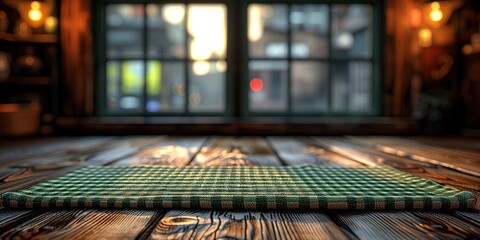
(425, 38)
(35, 14)
(51, 24)
(435, 14)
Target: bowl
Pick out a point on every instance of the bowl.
(21, 119)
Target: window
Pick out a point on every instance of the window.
(310, 58)
(296, 59)
(160, 58)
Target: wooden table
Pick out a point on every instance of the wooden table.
(452, 161)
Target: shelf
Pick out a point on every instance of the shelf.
(27, 81)
(34, 38)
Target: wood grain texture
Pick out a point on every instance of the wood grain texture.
(41, 169)
(449, 142)
(55, 150)
(242, 225)
(81, 224)
(408, 225)
(245, 225)
(473, 217)
(231, 151)
(178, 151)
(357, 149)
(10, 216)
(16, 148)
(460, 160)
(224, 150)
(301, 150)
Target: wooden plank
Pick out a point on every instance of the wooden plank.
(470, 216)
(408, 225)
(245, 225)
(82, 224)
(10, 216)
(177, 151)
(453, 142)
(53, 150)
(464, 161)
(335, 145)
(10, 148)
(426, 170)
(30, 173)
(399, 225)
(294, 151)
(76, 223)
(228, 151)
(357, 149)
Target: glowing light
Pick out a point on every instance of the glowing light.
(195, 99)
(255, 23)
(256, 85)
(207, 25)
(343, 40)
(35, 14)
(221, 66)
(51, 24)
(435, 14)
(467, 49)
(201, 68)
(199, 51)
(173, 13)
(425, 38)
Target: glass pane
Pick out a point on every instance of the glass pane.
(309, 86)
(125, 85)
(352, 30)
(166, 30)
(309, 30)
(165, 86)
(124, 34)
(207, 29)
(113, 85)
(207, 86)
(267, 30)
(352, 87)
(268, 86)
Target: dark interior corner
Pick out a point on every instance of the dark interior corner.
(331, 67)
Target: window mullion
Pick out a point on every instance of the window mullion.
(187, 61)
(329, 60)
(289, 59)
(145, 65)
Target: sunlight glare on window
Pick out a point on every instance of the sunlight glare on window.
(173, 13)
(207, 27)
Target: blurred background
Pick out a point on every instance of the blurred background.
(239, 67)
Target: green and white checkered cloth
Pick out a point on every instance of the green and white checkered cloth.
(303, 187)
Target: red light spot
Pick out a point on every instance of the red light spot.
(256, 84)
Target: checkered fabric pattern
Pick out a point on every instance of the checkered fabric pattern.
(239, 188)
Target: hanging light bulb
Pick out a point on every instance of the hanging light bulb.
(34, 13)
(435, 14)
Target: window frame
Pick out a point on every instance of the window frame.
(101, 60)
(376, 59)
(237, 74)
